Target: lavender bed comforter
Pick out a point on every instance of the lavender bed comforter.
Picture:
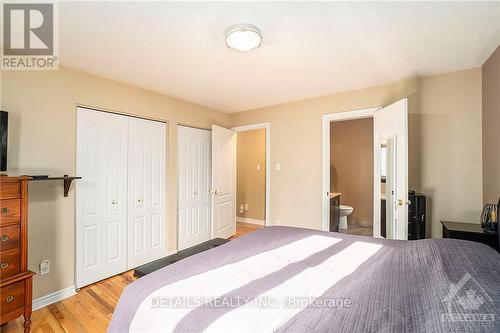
(300, 280)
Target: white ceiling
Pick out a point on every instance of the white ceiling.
(308, 50)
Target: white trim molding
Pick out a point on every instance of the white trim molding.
(250, 221)
(53, 297)
(327, 119)
(267, 127)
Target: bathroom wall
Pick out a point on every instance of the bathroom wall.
(351, 167)
(251, 183)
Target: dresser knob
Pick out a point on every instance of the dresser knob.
(9, 298)
(4, 238)
(4, 265)
(5, 210)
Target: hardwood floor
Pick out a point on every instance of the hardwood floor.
(245, 228)
(90, 310)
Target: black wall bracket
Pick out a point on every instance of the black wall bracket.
(66, 179)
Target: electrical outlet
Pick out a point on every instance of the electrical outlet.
(278, 166)
(44, 267)
(258, 167)
(246, 206)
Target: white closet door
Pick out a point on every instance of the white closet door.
(146, 191)
(101, 196)
(223, 182)
(194, 180)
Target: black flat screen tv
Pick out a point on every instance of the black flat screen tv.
(4, 120)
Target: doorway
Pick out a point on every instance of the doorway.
(253, 177)
(351, 174)
(250, 180)
(390, 170)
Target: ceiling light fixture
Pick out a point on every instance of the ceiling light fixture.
(243, 38)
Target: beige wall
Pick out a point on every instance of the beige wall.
(42, 120)
(445, 146)
(491, 128)
(251, 183)
(351, 167)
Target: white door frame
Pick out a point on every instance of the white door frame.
(267, 127)
(327, 119)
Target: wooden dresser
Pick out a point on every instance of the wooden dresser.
(15, 278)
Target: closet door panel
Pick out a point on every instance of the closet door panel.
(147, 166)
(194, 179)
(101, 209)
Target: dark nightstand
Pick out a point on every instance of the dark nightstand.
(469, 231)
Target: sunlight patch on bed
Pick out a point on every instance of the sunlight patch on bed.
(220, 281)
(309, 284)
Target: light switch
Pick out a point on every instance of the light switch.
(246, 206)
(278, 166)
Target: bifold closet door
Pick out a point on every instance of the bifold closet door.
(146, 191)
(223, 182)
(194, 180)
(101, 195)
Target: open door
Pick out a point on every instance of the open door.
(223, 182)
(390, 129)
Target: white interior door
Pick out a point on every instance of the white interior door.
(146, 191)
(101, 195)
(194, 182)
(223, 182)
(391, 169)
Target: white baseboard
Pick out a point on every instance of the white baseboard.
(249, 220)
(53, 297)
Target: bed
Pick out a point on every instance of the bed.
(281, 279)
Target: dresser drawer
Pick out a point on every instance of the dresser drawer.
(10, 211)
(9, 263)
(12, 297)
(9, 237)
(10, 190)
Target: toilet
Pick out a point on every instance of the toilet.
(344, 212)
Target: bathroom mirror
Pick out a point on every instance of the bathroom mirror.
(388, 187)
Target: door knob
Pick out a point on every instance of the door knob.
(114, 202)
(216, 192)
(139, 200)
